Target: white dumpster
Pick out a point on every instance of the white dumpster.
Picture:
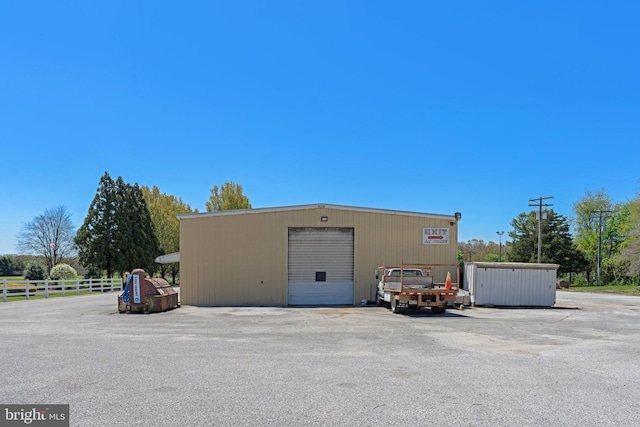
(511, 284)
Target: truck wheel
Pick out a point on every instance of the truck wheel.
(379, 302)
(438, 310)
(394, 304)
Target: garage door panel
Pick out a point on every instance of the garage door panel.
(328, 252)
(320, 293)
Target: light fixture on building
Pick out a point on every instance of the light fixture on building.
(458, 215)
(324, 218)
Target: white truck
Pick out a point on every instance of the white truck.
(412, 286)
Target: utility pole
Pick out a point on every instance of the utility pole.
(540, 205)
(500, 233)
(600, 215)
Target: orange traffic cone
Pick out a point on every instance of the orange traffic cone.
(447, 283)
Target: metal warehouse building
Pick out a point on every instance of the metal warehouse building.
(305, 255)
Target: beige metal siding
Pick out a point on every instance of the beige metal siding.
(224, 262)
(241, 258)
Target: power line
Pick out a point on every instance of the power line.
(540, 205)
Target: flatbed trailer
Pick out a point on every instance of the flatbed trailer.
(412, 286)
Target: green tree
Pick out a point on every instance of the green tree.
(479, 251)
(164, 210)
(557, 243)
(586, 218)
(472, 250)
(615, 236)
(629, 255)
(96, 237)
(604, 229)
(6, 265)
(49, 235)
(228, 197)
(117, 234)
(588, 212)
(492, 258)
(135, 236)
(20, 262)
(35, 271)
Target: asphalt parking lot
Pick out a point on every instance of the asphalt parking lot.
(577, 364)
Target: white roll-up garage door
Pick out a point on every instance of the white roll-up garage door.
(320, 266)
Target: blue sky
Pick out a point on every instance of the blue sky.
(422, 106)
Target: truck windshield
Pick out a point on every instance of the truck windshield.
(408, 273)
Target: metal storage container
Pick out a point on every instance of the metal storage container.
(143, 294)
(511, 284)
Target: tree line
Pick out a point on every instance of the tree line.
(601, 232)
(127, 226)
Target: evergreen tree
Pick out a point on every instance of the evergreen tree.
(135, 235)
(557, 244)
(95, 239)
(117, 234)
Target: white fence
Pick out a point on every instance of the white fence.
(31, 288)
